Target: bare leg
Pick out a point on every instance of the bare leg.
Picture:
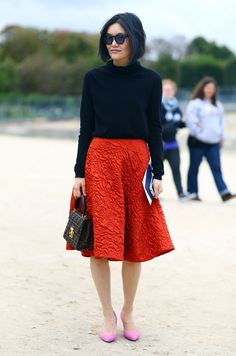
(100, 270)
(130, 274)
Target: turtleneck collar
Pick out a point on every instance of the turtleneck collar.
(130, 68)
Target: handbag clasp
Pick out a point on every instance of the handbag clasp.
(72, 232)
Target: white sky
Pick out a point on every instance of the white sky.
(215, 20)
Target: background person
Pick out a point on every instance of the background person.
(172, 121)
(205, 121)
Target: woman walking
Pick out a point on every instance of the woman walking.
(120, 129)
(171, 117)
(205, 120)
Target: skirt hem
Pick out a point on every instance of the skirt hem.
(115, 259)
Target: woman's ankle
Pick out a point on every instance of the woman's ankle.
(109, 313)
(127, 309)
(126, 313)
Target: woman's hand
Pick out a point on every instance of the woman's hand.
(157, 187)
(79, 186)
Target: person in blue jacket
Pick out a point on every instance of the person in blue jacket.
(171, 122)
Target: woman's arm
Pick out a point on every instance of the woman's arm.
(222, 122)
(180, 124)
(155, 129)
(86, 127)
(192, 117)
(84, 138)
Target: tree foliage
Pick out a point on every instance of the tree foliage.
(200, 46)
(193, 69)
(199, 58)
(19, 43)
(166, 66)
(39, 61)
(54, 62)
(9, 77)
(230, 72)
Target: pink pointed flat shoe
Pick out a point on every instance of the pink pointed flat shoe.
(108, 337)
(132, 335)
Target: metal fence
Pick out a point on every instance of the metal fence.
(51, 107)
(57, 107)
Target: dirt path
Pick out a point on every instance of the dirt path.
(186, 303)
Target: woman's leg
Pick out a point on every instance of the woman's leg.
(130, 275)
(196, 155)
(100, 270)
(213, 159)
(174, 162)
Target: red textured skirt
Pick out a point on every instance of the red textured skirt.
(126, 226)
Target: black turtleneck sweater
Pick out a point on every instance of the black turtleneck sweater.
(121, 102)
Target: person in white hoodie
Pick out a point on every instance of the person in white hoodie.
(205, 121)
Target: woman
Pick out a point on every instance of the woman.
(171, 117)
(120, 114)
(205, 120)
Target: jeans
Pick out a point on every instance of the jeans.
(173, 157)
(212, 154)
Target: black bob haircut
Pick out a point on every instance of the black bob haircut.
(133, 28)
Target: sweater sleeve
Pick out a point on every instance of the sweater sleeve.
(155, 143)
(222, 122)
(192, 118)
(86, 127)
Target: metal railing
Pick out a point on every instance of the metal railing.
(49, 107)
(58, 107)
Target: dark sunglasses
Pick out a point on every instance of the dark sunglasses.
(119, 38)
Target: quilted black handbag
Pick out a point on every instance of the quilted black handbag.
(79, 229)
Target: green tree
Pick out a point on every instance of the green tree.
(40, 74)
(79, 68)
(191, 70)
(230, 72)
(70, 45)
(18, 43)
(166, 66)
(9, 77)
(200, 45)
(47, 75)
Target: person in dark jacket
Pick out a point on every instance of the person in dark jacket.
(171, 122)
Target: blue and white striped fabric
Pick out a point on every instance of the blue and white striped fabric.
(147, 183)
